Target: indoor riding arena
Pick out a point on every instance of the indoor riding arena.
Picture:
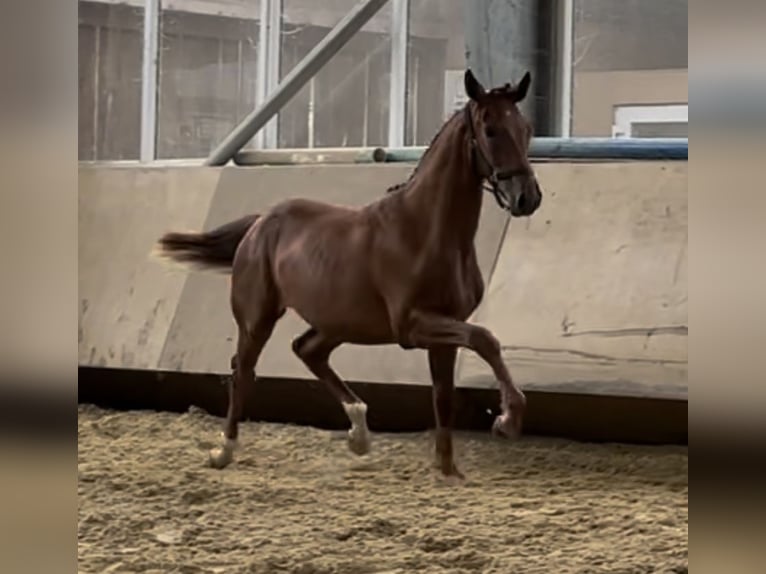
(249, 103)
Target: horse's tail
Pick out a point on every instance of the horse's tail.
(212, 249)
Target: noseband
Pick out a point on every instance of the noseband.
(495, 177)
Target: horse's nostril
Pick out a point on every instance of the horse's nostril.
(521, 202)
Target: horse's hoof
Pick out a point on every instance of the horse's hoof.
(452, 476)
(453, 480)
(505, 428)
(359, 441)
(220, 458)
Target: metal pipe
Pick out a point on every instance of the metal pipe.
(295, 80)
(542, 148)
(582, 149)
(300, 156)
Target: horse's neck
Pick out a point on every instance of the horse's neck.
(446, 192)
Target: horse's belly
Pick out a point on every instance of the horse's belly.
(340, 303)
(356, 319)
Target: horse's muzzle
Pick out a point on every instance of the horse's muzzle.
(524, 195)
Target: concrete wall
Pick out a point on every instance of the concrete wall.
(596, 94)
(589, 295)
(127, 303)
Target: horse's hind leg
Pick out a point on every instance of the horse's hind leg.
(250, 343)
(314, 350)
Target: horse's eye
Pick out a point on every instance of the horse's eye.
(490, 132)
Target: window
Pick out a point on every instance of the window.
(207, 75)
(394, 83)
(110, 38)
(651, 121)
(346, 103)
(435, 67)
(627, 55)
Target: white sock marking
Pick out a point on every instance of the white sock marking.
(359, 435)
(357, 414)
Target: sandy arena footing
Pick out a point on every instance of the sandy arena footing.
(297, 502)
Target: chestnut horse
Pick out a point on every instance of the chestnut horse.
(401, 270)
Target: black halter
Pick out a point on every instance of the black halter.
(495, 177)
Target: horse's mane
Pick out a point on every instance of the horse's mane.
(402, 185)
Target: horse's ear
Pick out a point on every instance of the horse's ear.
(473, 88)
(520, 92)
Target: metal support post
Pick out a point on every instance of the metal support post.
(267, 73)
(271, 131)
(149, 81)
(565, 33)
(296, 79)
(262, 65)
(397, 111)
(501, 43)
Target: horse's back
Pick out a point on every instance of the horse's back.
(303, 209)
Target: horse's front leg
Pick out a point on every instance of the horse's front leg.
(428, 331)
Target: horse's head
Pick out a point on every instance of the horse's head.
(500, 136)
